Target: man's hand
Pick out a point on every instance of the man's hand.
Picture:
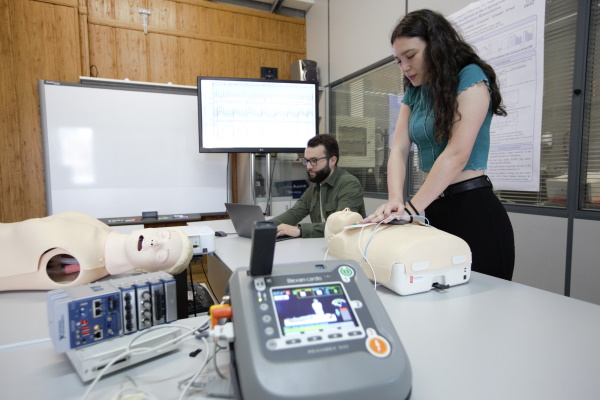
(288, 230)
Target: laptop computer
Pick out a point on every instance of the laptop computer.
(243, 217)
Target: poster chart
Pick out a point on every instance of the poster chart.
(509, 35)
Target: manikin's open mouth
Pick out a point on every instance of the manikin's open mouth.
(140, 242)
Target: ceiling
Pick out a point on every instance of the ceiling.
(294, 8)
(303, 5)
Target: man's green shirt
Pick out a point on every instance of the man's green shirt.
(342, 190)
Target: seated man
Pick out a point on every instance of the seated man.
(332, 189)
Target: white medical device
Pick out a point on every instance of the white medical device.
(201, 237)
(314, 330)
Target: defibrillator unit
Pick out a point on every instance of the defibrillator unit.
(314, 330)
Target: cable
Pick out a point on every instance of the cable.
(27, 343)
(326, 253)
(364, 253)
(191, 283)
(375, 231)
(193, 378)
(142, 350)
(134, 395)
(216, 367)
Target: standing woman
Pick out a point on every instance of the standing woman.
(450, 97)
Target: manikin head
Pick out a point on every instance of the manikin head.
(152, 249)
(338, 220)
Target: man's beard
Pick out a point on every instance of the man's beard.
(320, 175)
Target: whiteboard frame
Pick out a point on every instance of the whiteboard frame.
(121, 183)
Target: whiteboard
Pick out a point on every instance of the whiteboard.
(111, 151)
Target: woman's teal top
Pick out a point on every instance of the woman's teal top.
(422, 121)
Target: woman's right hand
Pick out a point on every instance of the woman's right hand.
(384, 211)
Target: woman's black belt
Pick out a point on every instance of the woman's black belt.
(470, 184)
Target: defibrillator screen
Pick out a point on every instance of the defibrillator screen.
(311, 309)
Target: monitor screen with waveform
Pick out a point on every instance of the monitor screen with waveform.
(237, 115)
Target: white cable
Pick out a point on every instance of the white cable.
(143, 350)
(27, 343)
(375, 231)
(136, 394)
(140, 350)
(364, 253)
(193, 378)
(215, 366)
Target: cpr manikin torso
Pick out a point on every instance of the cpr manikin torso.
(417, 248)
(70, 249)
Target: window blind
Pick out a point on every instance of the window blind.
(590, 176)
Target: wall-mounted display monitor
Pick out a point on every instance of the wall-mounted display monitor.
(238, 115)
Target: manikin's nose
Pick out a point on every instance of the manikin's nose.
(158, 242)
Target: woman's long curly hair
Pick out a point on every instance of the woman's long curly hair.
(446, 54)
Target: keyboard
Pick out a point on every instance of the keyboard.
(202, 301)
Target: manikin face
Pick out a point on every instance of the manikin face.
(320, 172)
(409, 53)
(153, 249)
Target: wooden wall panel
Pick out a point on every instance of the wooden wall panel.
(222, 59)
(118, 10)
(220, 23)
(272, 32)
(40, 40)
(247, 27)
(191, 19)
(193, 60)
(164, 59)
(132, 55)
(164, 14)
(128, 11)
(247, 63)
(103, 51)
(294, 36)
(102, 8)
(10, 164)
(64, 37)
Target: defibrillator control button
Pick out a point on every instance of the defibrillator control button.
(335, 335)
(314, 338)
(378, 346)
(266, 318)
(293, 341)
(264, 307)
(269, 331)
(259, 284)
(271, 344)
(346, 271)
(354, 333)
(356, 304)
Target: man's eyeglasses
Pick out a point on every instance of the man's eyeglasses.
(312, 161)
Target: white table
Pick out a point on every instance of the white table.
(487, 339)
(31, 369)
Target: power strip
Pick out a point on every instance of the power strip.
(90, 361)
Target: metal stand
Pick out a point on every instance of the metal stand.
(267, 182)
